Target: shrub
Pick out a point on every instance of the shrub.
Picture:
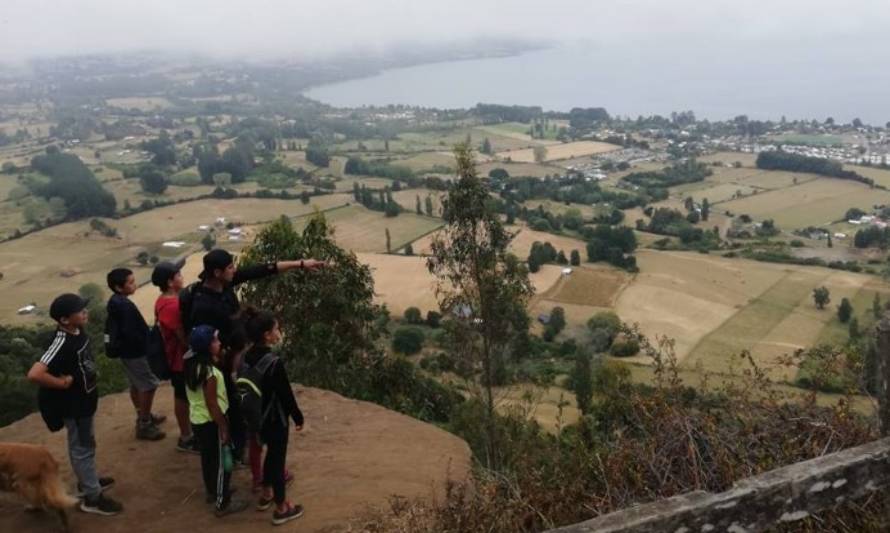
(433, 319)
(625, 348)
(187, 179)
(408, 340)
(413, 316)
(605, 320)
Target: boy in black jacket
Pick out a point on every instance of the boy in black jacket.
(66, 374)
(128, 340)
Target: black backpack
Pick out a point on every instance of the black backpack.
(186, 299)
(249, 386)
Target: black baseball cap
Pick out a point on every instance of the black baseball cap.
(216, 260)
(164, 272)
(66, 305)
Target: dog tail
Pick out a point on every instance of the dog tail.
(55, 494)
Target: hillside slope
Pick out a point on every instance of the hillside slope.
(350, 455)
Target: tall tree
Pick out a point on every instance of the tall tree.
(482, 286)
(417, 206)
(705, 209)
(486, 147)
(582, 382)
(540, 153)
(429, 205)
(844, 311)
(388, 242)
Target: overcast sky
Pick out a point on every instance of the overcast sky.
(263, 28)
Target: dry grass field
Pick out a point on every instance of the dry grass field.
(408, 199)
(556, 152)
(427, 160)
(403, 281)
(715, 308)
(33, 266)
(532, 170)
(880, 175)
(142, 103)
(362, 230)
(747, 160)
(814, 203)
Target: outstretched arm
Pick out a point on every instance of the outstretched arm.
(269, 269)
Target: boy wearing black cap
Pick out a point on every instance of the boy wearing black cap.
(128, 341)
(167, 277)
(66, 374)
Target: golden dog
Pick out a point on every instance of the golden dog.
(31, 472)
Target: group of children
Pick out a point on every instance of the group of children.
(208, 340)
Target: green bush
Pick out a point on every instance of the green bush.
(413, 316)
(185, 179)
(275, 181)
(607, 321)
(625, 348)
(408, 340)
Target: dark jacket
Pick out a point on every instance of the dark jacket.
(276, 386)
(221, 309)
(131, 331)
(69, 355)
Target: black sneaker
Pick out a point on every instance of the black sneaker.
(158, 419)
(293, 512)
(105, 483)
(234, 506)
(189, 445)
(101, 505)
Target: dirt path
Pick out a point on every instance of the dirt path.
(351, 455)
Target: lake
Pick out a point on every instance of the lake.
(715, 83)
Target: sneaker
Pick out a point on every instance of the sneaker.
(105, 483)
(189, 445)
(292, 513)
(149, 432)
(234, 506)
(101, 505)
(158, 419)
(263, 504)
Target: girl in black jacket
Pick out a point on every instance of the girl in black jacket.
(263, 331)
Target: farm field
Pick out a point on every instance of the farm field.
(407, 198)
(747, 160)
(403, 281)
(426, 161)
(362, 230)
(130, 190)
(521, 244)
(532, 170)
(880, 175)
(142, 103)
(715, 308)
(815, 203)
(559, 151)
(62, 258)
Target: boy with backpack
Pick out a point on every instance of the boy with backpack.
(168, 278)
(126, 338)
(67, 376)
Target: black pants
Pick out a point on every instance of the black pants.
(237, 428)
(216, 479)
(275, 437)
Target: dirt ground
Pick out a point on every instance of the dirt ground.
(349, 456)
